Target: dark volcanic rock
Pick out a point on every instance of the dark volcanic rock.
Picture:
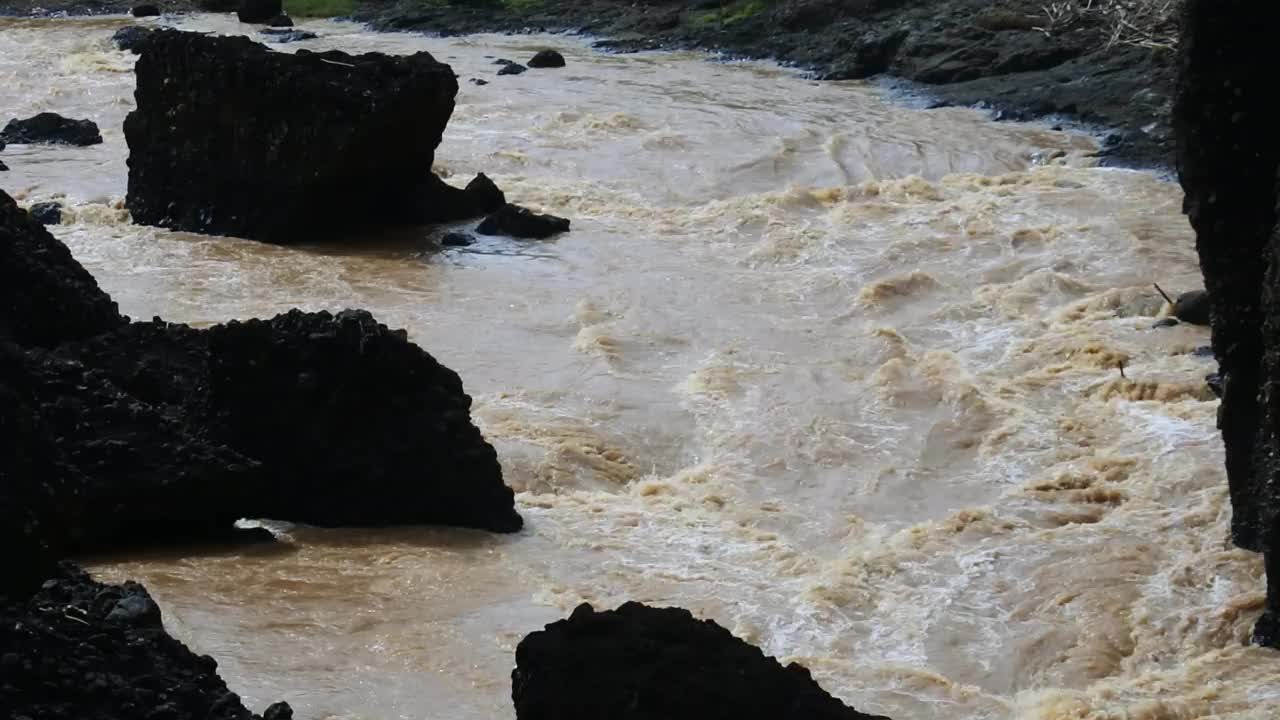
(645, 663)
(81, 650)
(547, 59)
(46, 213)
(512, 69)
(46, 297)
(144, 11)
(51, 129)
(281, 21)
(283, 35)
(478, 81)
(259, 11)
(130, 433)
(131, 37)
(3, 167)
(1229, 157)
(1192, 307)
(456, 239)
(519, 222)
(306, 146)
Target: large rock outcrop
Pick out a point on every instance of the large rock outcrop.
(645, 663)
(80, 650)
(1228, 159)
(126, 433)
(232, 138)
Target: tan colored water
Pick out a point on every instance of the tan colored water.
(838, 374)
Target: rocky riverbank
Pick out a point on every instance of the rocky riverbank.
(1105, 66)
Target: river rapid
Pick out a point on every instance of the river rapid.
(837, 373)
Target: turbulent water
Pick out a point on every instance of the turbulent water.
(839, 374)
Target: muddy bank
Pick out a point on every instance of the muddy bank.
(1010, 56)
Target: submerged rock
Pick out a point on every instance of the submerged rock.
(280, 21)
(512, 69)
(519, 222)
(1192, 307)
(457, 239)
(131, 37)
(1229, 161)
(646, 663)
(46, 213)
(547, 59)
(51, 129)
(479, 81)
(3, 167)
(259, 11)
(145, 11)
(281, 35)
(322, 144)
(78, 649)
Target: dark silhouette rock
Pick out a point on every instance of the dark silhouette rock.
(259, 12)
(218, 6)
(503, 61)
(3, 167)
(512, 69)
(46, 297)
(1228, 160)
(46, 213)
(1192, 307)
(322, 144)
(51, 129)
(646, 663)
(519, 222)
(485, 195)
(282, 35)
(131, 37)
(457, 239)
(145, 11)
(547, 59)
(133, 433)
(78, 649)
(1165, 322)
(280, 21)
(478, 81)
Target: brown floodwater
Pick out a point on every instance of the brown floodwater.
(836, 373)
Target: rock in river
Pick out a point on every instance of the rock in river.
(145, 11)
(646, 663)
(51, 129)
(547, 59)
(304, 147)
(1229, 163)
(46, 213)
(519, 222)
(512, 69)
(259, 12)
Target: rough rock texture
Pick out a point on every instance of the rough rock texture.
(519, 222)
(131, 37)
(259, 11)
(232, 138)
(547, 59)
(46, 213)
(646, 663)
(46, 297)
(153, 431)
(81, 650)
(51, 129)
(1229, 155)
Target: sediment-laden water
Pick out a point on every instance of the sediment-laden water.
(838, 374)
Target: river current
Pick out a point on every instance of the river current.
(840, 374)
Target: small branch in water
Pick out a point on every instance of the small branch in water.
(1120, 364)
(1164, 294)
(335, 62)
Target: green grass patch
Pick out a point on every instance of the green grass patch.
(730, 13)
(319, 8)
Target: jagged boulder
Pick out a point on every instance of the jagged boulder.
(51, 129)
(77, 649)
(46, 297)
(1228, 162)
(519, 222)
(646, 663)
(232, 138)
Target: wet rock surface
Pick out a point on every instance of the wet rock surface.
(51, 129)
(512, 68)
(519, 222)
(131, 37)
(76, 649)
(1229, 158)
(283, 35)
(259, 11)
(46, 213)
(547, 59)
(646, 663)
(323, 144)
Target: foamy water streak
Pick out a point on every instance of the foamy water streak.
(840, 375)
